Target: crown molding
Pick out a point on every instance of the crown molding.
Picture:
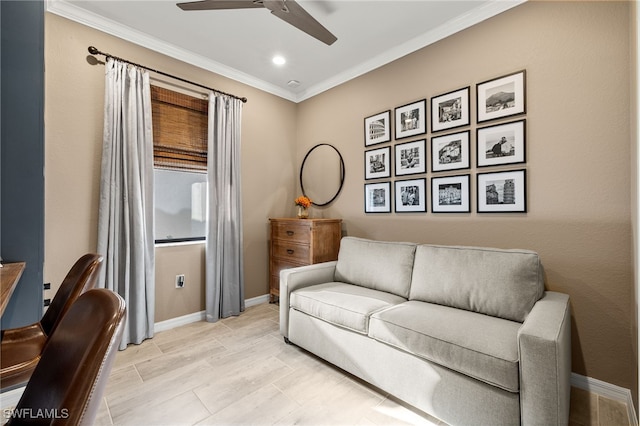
(108, 26)
(479, 14)
(84, 17)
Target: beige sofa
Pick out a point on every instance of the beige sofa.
(466, 334)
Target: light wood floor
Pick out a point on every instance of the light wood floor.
(238, 371)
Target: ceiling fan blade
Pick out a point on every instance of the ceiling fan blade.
(220, 4)
(292, 13)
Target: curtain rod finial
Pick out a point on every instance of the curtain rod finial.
(93, 50)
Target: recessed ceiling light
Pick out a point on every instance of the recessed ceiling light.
(279, 60)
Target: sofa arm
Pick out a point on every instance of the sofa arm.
(302, 276)
(544, 346)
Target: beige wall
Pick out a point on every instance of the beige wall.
(578, 146)
(73, 137)
(578, 169)
(187, 260)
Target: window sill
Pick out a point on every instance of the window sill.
(178, 243)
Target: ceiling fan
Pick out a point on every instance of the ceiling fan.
(287, 10)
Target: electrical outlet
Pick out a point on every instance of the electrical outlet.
(180, 281)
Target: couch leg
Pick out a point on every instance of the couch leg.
(286, 340)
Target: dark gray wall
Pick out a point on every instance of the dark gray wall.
(22, 154)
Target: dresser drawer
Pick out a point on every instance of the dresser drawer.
(296, 242)
(291, 251)
(275, 267)
(278, 265)
(291, 231)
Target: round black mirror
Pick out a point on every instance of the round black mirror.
(322, 174)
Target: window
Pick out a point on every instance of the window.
(180, 161)
(180, 205)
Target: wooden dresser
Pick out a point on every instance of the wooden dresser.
(300, 242)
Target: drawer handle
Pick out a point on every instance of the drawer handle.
(290, 233)
(289, 251)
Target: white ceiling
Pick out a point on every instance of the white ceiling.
(240, 44)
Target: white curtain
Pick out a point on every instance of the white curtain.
(125, 223)
(224, 266)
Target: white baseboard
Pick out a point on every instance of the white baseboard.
(606, 390)
(256, 301)
(178, 321)
(200, 316)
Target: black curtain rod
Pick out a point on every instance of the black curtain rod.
(95, 51)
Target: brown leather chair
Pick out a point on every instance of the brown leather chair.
(67, 385)
(20, 348)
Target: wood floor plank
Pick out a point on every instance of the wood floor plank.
(611, 412)
(246, 335)
(224, 362)
(182, 409)
(135, 400)
(136, 353)
(306, 383)
(103, 418)
(226, 389)
(196, 332)
(189, 354)
(124, 378)
(267, 404)
(346, 404)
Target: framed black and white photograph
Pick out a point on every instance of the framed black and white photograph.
(377, 163)
(411, 157)
(450, 110)
(501, 97)
(450, 194)
(411, 195)
(411, 119)
(502, 192)
(377, 197)
(450, 152)
(501, 144)
(377, 128)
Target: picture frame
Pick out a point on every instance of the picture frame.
(451, 152)
(451, 194)
(411, 119)
(377, 128)
(377, 163)
(502, 192)
(377, 197)
(501, 97)
(501, 144)
(450, 110)
(410, 157)
(411, 195)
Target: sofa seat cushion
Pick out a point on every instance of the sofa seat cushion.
(496, 282)
(380, 265)
(344, 305)
(473, 344)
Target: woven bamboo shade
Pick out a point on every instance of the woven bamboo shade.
(179, 130)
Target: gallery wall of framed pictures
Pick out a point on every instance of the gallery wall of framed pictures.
(412, 165)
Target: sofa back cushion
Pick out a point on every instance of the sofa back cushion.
(379, 265)
(501, 283)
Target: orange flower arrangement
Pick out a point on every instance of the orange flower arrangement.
(303, 201)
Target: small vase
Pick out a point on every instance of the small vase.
(303, 212)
